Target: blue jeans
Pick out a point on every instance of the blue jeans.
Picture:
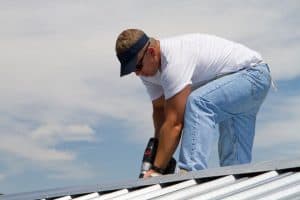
(231, 104)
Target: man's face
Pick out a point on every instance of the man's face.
(148, 61)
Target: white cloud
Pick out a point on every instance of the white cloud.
(22, 146)
(54, 134)
(38, 149)
(284, 129)
(283, 61)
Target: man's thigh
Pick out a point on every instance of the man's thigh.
(233, 94)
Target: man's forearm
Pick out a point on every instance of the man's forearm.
(168, 141)
(158, 120)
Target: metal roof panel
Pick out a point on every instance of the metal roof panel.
(270, 180)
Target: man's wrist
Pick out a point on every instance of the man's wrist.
(158, 169)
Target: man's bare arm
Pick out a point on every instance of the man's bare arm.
(170, 131)
(158, 114)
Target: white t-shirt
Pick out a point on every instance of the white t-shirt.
(195, 58)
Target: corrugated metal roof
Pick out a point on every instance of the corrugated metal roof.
(267, 180)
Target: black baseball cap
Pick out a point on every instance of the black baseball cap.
(128, 58)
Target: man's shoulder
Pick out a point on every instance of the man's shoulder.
(181, 37)
(179, 43)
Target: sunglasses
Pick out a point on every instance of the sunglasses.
(139, 65)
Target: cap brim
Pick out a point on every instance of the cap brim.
(129, 67)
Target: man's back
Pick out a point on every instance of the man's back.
(194, 58)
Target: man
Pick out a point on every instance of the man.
(198, 83)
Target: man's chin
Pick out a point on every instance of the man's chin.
(148, 75)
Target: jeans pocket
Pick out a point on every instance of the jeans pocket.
(260, 80)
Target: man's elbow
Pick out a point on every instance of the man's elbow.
(178, 127)
(175, 127)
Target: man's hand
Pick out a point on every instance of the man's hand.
(151, 173)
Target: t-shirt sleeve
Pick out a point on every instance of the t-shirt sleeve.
(154, 90)
(176, 77)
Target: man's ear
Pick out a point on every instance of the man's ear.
(151, 50)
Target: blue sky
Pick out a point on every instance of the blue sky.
(68, 119)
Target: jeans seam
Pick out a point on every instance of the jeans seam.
(194, 136)
(233, 141)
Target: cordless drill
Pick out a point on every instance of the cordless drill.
(149, 157)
